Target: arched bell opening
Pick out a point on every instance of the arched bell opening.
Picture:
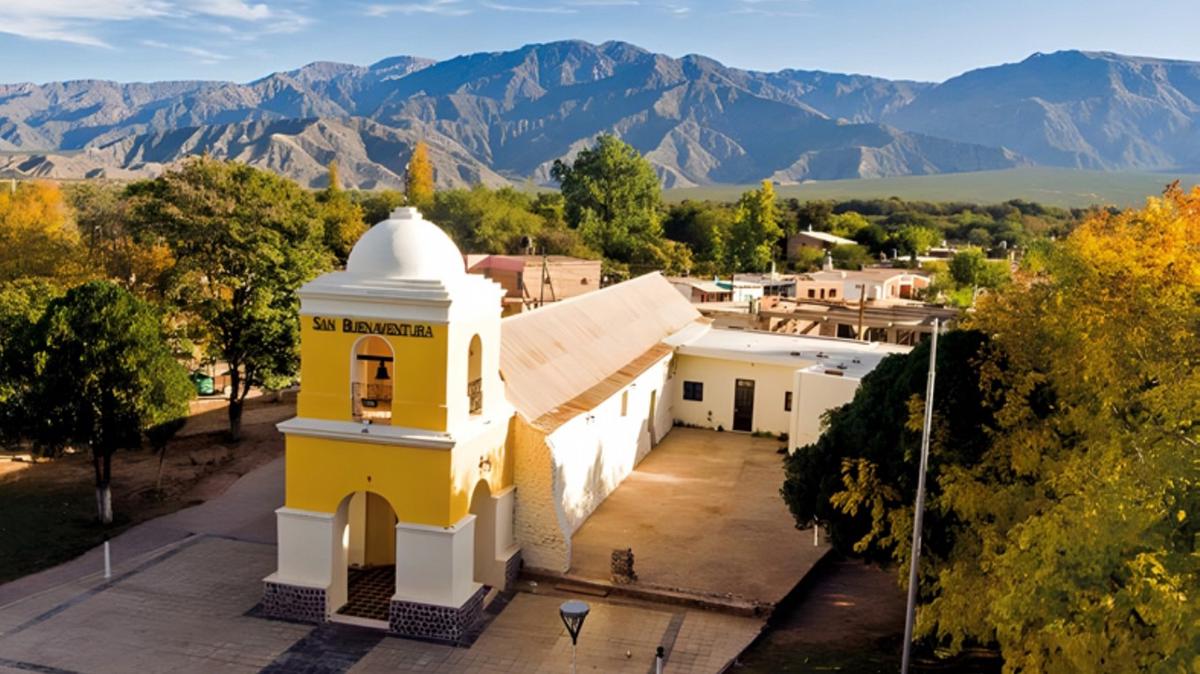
(371, 380)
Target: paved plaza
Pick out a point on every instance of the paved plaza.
(185, 586)
(189, 608)
(702, 513)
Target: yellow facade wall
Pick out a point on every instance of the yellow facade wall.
(416, 482)
(418, 373)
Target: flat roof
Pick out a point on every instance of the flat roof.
(868, 274)
(854, 359)
(704, 285)
(825, 236)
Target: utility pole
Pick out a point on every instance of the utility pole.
(919, 514)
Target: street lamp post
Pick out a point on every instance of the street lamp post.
(573, 613)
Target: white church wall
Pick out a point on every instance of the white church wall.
(588, 457)
(594, 452)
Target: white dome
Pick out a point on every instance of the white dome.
(406, 246)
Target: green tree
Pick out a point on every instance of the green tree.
(816, 215)
(613, 197)
(342, 219)
(377, 205)
(108, 350)
(704, 228)
(483, 220)
(915, 239)
(244, 240)
(850, 256)
(418, 177)
(847, 224)
(967, 266)
(755, 230)
(22, 304)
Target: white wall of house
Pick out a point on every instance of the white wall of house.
(816, 393)
(719, 377)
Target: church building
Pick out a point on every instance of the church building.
(438, 447)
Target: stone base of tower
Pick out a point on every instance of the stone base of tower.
(293, 602)
(431, 621)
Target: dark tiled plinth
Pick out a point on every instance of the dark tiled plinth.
(440, 623)
(512, 570)
(293, 602)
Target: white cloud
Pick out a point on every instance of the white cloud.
(204, 55)
(231, 9)
(79, 21)
(438, 7)
(530, 9)
(604, 3)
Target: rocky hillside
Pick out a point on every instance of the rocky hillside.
(506, 116)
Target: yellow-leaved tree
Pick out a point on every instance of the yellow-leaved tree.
(1077, 545)
(1064, 472)
(37, 239)
(418, 180)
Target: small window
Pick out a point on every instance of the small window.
(832, 293)
(693, 390)
(812, 292)
(822, 293)
(624, 403)
(787, 401)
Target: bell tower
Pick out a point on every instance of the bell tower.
(397, 451)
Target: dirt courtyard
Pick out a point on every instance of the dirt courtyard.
(702, 514)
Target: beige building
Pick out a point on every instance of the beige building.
(878, 283)
(698, 290)
(533, 280)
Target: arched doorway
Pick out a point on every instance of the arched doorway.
(367, 565)
(484, 511)
(371, 374)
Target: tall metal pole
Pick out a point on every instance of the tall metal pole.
(919, 515)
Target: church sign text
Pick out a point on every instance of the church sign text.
(365, 327)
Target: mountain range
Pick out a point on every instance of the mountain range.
(504, 117)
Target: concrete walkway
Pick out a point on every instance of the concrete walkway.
(703, 515)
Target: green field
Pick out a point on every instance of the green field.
(1051, 186)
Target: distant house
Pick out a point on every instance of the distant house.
(879, 284)
(813, 241)
(773, 284)
(531, 280)
(699, 291)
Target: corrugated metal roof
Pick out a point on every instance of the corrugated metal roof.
(554, 354)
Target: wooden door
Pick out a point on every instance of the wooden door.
(743, 405)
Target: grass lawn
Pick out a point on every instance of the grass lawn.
(48, 509)
(1050, 186)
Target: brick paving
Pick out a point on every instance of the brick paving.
(184, 587)
(188, 608)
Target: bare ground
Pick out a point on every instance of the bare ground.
(49, 506)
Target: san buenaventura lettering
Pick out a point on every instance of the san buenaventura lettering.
(362, 327)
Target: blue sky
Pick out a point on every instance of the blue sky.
(241, 40)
